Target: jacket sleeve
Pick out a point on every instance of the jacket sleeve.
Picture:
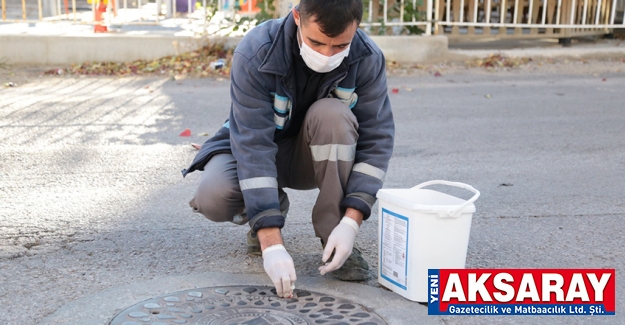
(251, 137)
(375, 142)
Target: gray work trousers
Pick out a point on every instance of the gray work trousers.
(321, 156)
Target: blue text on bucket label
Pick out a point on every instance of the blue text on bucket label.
(394, 248)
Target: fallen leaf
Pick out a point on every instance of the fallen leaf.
(498, 61)
(193, 63)
(437, 74)
(203, 134)
(186, 133)
(395, 90)
(604, 79)
(487, 96)
(408, 89)
(196, 146)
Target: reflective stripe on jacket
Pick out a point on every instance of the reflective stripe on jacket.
(262, 89)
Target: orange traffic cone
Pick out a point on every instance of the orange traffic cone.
(99, 23)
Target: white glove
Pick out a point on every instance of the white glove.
(342, 240)
(280, 268)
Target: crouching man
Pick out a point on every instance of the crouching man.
(309, 110)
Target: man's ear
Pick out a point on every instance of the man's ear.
(295, 16)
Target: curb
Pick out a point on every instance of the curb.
(34, 49)
(73, 48)
(599, 52)
(102, 307)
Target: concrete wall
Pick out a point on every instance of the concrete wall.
(413, 49)
(67, 49)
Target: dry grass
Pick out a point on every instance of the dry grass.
(192, 64)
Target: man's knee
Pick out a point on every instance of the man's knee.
(211, 201)
(218, 196)
(332, 120)
(331, 110)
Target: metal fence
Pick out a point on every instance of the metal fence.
(495, 18)
(455, 18)
(527, 18)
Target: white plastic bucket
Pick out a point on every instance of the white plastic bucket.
(421, 229)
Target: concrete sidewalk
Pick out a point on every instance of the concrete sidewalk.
(64, 44)
(584, 47)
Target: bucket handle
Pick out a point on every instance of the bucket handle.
(452, 213)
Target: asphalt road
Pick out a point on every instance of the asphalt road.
(91, 195)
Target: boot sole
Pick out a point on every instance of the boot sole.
(254, 250)
(253, 245)
(354, 274)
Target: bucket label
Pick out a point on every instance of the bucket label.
(581, 292)
(394, 248)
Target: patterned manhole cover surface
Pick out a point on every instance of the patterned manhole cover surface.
(248, 305)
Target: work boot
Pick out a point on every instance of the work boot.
(354, 269)
(253, 244)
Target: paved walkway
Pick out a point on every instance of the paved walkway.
(64, 43)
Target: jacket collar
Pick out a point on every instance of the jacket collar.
(280, 55)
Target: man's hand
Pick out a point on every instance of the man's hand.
(277, 261)
(341, 241)
(279, 266)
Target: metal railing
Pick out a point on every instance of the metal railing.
(398, 15)
(496, 18)
(527, 18)
(456, 18)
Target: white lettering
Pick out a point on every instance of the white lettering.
(598, 286)
(433, 288)
(556, 288)
(453, 289)
(527, 288)
(502, 286)
(476, 286)
(577, 288)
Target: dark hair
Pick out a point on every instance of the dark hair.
(333, 16)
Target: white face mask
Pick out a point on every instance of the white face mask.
(317, 61)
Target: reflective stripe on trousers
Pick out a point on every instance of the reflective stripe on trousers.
(321, 156)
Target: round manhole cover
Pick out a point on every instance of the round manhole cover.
(245, 305)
